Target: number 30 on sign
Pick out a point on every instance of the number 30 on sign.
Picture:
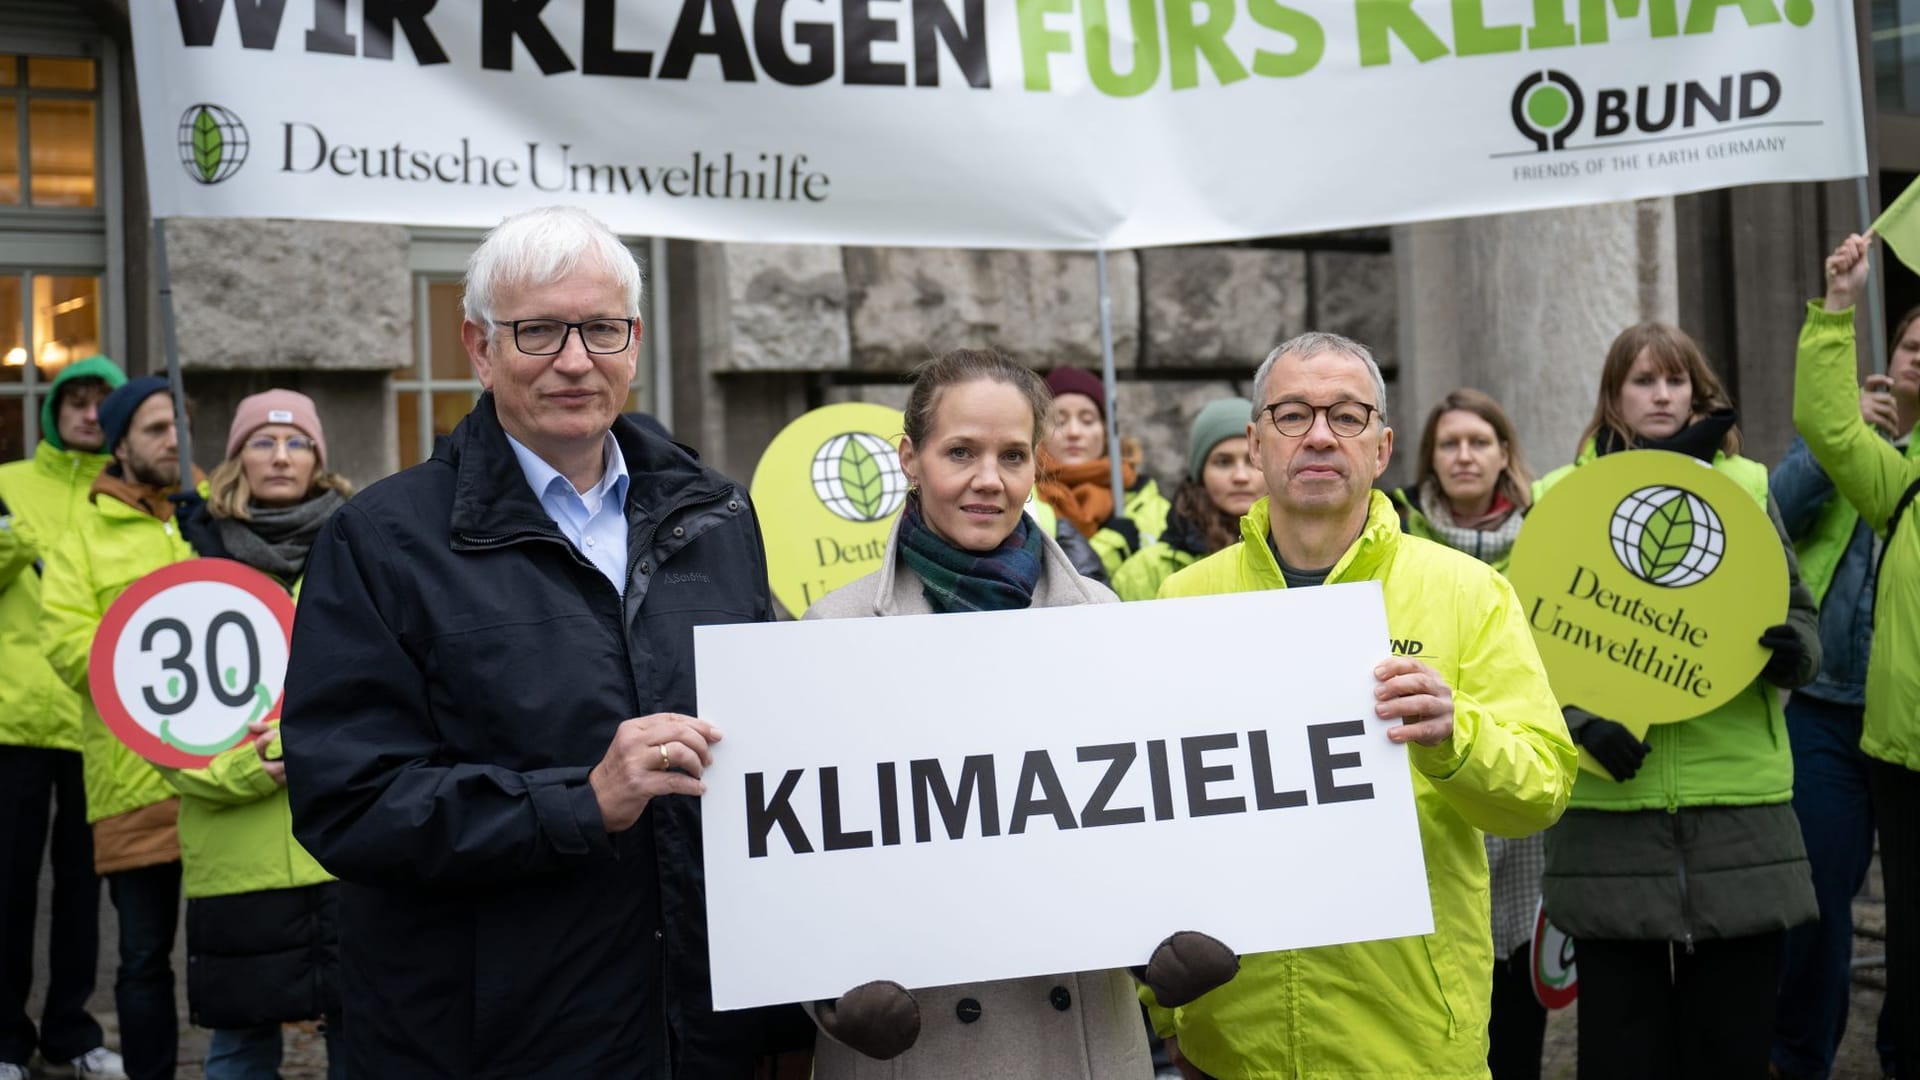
(190, 655)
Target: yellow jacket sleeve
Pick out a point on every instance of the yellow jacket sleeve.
(70, 612)
(1869, 471)
(233, 778)
(1510, 766)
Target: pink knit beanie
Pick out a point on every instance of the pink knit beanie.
(276, 407)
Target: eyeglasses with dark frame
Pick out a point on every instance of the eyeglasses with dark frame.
(1345, 419)
(546, 337)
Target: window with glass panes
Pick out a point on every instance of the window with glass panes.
(53, 229)
(431, 398)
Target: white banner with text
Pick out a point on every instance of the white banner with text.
(1074, 124)
(945, 799)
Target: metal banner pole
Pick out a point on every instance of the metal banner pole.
(182, 433)
(1113, 387)
(1876, 324)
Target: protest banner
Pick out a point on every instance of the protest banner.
(188, 656)
(827, 491)
(925, 799)
(1648, 577)
(1074, 124)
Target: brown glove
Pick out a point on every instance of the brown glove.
(879, 1019)
(1187, 965)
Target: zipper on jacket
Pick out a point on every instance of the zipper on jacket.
(1686, 899)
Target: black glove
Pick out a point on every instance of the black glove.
(879, 1019)
(1187, 965)
(1613, 746)
(1789, 655)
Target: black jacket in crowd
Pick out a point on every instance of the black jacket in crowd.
(457, 669)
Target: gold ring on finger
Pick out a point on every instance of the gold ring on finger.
(665, 761)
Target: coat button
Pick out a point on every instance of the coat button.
(678, 531)
(646, 568)
(968, 1010)
(1060, 998)
(733, 504)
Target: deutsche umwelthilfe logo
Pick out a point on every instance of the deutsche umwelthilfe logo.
(1667, 536)
(858, 477)
(213, 143)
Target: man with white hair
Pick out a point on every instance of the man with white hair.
(1487, 748)
(489, 722)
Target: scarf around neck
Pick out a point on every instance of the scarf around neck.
(277, 538)
(1701, 439)
(954, 579)
(1488, 538)
(1083, 493)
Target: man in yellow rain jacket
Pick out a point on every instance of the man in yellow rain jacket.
(1488, 748)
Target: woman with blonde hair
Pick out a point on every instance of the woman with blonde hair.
(1678, 871)
(261, 943)
(1473, 487)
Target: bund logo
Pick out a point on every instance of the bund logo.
(858, 477)
(213, 143)
(1547, 106)
(1667, 536)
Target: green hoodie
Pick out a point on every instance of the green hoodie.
(96, 366)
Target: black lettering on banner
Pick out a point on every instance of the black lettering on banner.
(1096, 813)
(1199, 774)
(597, 54)
(933, 22)
(1610, 118)
(929, 783)
(503, 20)
(889, 804)
(329, 33)
(189, 681)
(861, 30)
(727, 43)
(1036, 771)
(769, 43)
(762, 815)
(1161, 781)
(832, 838)
(1326, 763)
(377, 23)
(1264, 796)
(242, 688)
(259, 21)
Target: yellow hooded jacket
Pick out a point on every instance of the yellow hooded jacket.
(1414, 1006)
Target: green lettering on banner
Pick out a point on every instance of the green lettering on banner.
(1594, 27)
(1550, 29)
(1701, 13)
(1473, 37)
(1187, 41)
(1310, 40)
(1037, 42)
(1378, 20)
(1146, 48)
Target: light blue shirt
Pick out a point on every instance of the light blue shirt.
(594, 521)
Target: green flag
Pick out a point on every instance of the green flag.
(1899, 226)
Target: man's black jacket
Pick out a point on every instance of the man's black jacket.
(457, 669)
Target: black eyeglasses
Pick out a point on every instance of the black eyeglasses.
(546, 337)
(1344, 418)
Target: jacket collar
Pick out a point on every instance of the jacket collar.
(143, 499)
(64, 465)
(491, 499)
(898, 591)
(1379, 538)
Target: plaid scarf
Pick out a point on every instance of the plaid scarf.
(954, 579)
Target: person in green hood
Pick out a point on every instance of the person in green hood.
(41, 786)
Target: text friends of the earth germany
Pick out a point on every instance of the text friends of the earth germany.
(850, 781)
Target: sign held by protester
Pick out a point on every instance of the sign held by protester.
(1070, 124)
(188, 656)
(1648, 578)
(827, 491)
(942, 799)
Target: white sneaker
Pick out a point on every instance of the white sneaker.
(10, 1071)
(99, 1063)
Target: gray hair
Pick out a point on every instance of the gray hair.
(1309, 345)
(539, 247)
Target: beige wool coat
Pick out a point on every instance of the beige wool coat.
(1084, 1026)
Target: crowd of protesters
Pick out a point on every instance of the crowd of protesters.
(477, 851)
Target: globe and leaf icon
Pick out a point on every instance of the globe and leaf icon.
(213, 143)
(1667, 536)
(857, 476)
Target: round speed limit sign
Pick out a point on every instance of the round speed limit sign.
(188, 656)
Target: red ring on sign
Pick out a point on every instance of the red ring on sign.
(106, 695)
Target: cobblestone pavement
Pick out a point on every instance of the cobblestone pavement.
(306, 1053)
